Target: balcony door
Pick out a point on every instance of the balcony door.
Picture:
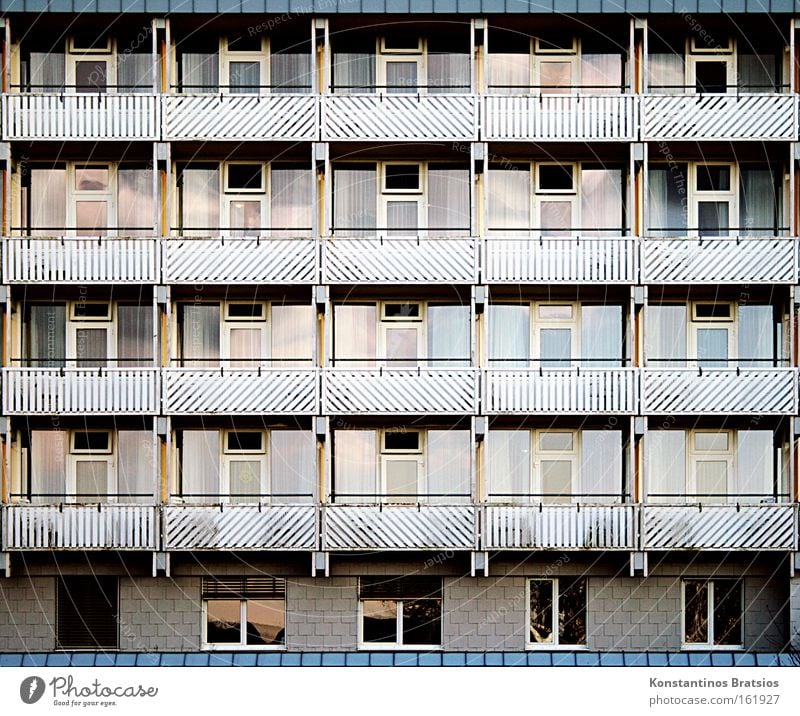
(402, 466)
(92, 200)
(90, 336)
(711, 465)
(91, 466)
(713, 334)
(245, 335)
(401, 64)
(556, 334)
(556, 199)
(90, 65)
(714, 202)
(244, 65)
(556, 467)
(711, 73)
(402, 334)
(244, 469)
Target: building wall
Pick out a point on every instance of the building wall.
(322, 614)
(27, 614)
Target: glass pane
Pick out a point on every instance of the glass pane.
(555, 349)
(759, 203)
(245, 480)
(48, 201)
(665, 337)
(667, 200)
(448, 201)
(449, 336)
(199, 71)
(728, 613)
(200, 335)
(509, 199)
(556, 217)
(509, 464)
(555, 77)
(200, 466)
(91, 217)
(556, 441)
(136, 465)
(401, 77)
(601, 336)
(291, 202)
(380, 621)
(134, 336)
(47, 337)
(223, 623)
(711, 441)
(401, 480)
(712, 478)
(556, 481)
(245, 218)
(695, 612)
(91, 347)
(48, 477)
(290, 72)
(91, 480)
(292, 335)
(91, 75)
(541, 626)
(245, 347)
(245, 77)
(602, 73)
(713, 177)
(91, 179)
(509, 73)
(711, 77)
(293, 475)
(353, 72)
(712, 347)
(756, 336)
(135, 201)
(572, 611)
(266, 619)
(199, 200)
(355, 201)
(354, 461)
(401, 347)
(449, 462)
(422, 621)
(713, 218)
(755, 455)
(602, 202)
(756, 73)
(666, 73)
(135, 72)
(553, 312)
(601, 464)
(666, 465)
(354, 335)
(402, 217)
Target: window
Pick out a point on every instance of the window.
(244, 465)
(557, 612)
(87, 613)
(244, 612)
(713, 612)
(711, 68)
(400, 612)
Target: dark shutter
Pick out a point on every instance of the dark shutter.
(244, 588)
(86, 613)
(400, 588)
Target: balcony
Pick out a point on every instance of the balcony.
(719, 391)
(561, 118)
(585, 527)
(240, 527)
(400, 391)
(725, 260)
(395, 260)
(399, 117)
(560, 390)
(559, 260)
(82, 260)
(240, 391)
(719, 116)
(244, 117)
(82, 527)
(240, 260)
(61, 116)
(399, 527)
(80, 391)
(720, 527)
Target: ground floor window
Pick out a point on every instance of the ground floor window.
(557, 612)
(400, 611)
(712, 612)
(87, 613)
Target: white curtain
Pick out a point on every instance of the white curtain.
(449, 466)
(200, 202)
(666, 465)
(135, 466)
(354, 336)
(292, 335)
(200, 72)
(448, 201)
(200, 335)
(448, 72)
(135, 202)
(509, 335)
(135, 72)
(47, 335)
(48, 478)
(449, 336)
(666, 73)
(601, 73)
(667, 197)
(353, 72)
(756, 73)
(355, 198)
(134, 335)
(47, 71)
(509, 73)
(756, 336)
(665, 335)
(601, 335)
(293, 466)
(200, 466)
(759, 204)
(48, 201)
(291, 200)
(290, 72)
(355, 466)
(602, 202)
(755, 454)
(509, 199)
(509, 453)
(601, 465)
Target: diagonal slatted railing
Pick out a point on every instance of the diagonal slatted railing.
(395, 527)
(80, 527)
(719, 391)
(720, 527)
(124, 116)
(369, 117)
(241, 527)
(400, 391)
(205, 117)
(82, 260)
(719, 260)
(78, 391)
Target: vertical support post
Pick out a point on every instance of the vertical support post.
(478, 27)
(320, 47)
(166, 58)
(323, 222)
(6, 24)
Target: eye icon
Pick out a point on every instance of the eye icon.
(31, 689)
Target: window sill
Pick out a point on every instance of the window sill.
(557, 647)
(240, 647)
(400, 647)
(711, 647)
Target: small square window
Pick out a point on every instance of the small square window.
(713, 177)
(245, 177)
(402, 178)
(91, 178)
(245, 43)
(556, 178)
(402, 441)
(91, 441)
(401, 311)
(401, 42)
(556, 442)
(552, 312)
(715, 442)
(91, 311)
(244, 311)
(556, 42)
(244, 441)
(713, 312)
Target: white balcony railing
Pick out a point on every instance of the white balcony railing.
(719, 116)
(559, 260)
(720, 527)
(243, 117)
(575, 526)
(79, 391)
(560, 390)
(400, 527)
(240, 260)
(81, 116)
(397, 117)
(719, 260)
(395, 260)
(561, 117)
(719, 391)
(240, 527)
(82, 527)
(400, 391)
(82, 260)
(240, 391)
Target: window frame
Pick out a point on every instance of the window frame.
(694, 324)
(229, 456)
(710, 645)
(206, 645)
(108, 195)
(729, 196)
(386, 456)
(227, 56)
(695, 455)
(75, 456)
(553, 645)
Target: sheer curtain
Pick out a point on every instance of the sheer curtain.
(449, 336)
(667, 75)
(47, 71)
(449, 465)
(755, 455)
(353, 72)
(293, 466)
(448, 72)
(601, 335)
(509, 73)
(48, 477)
(199, 72)
(667, 197)
(756, 73)
(355, 465)
(292, 335)
(509, 199)
(48, 201)
(134, 335)
(200, 466)
(602, 202)
(136, 463)
(601, 73)
(354, 335)
(601, 464)
(509, 454)
(135, 72)
(448, 201)
(47, 335)
(355, 199)
(666, 464)
(509, 335)
(200, 202)
(665, 335)
(290, 72)
(756, 336)
(759, 206)
(135, 202)
(291, 201)
(200, 335)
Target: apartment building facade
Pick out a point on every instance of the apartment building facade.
(400, 329)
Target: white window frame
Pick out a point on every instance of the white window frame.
(74, 195)
(226, 57)
(388, 455)
(695, 324)
(228, 324)
(397, 645)
(710, 645)
(415, 323)
(573, 324)
(76, 456)
(229, 196)
(694, 455)
(385, 56)
(540, 455)
(553, 645)
(73, 325)
(230, 456)
(698, 52)
(731, 197)
(75, 54)
(242, 645)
